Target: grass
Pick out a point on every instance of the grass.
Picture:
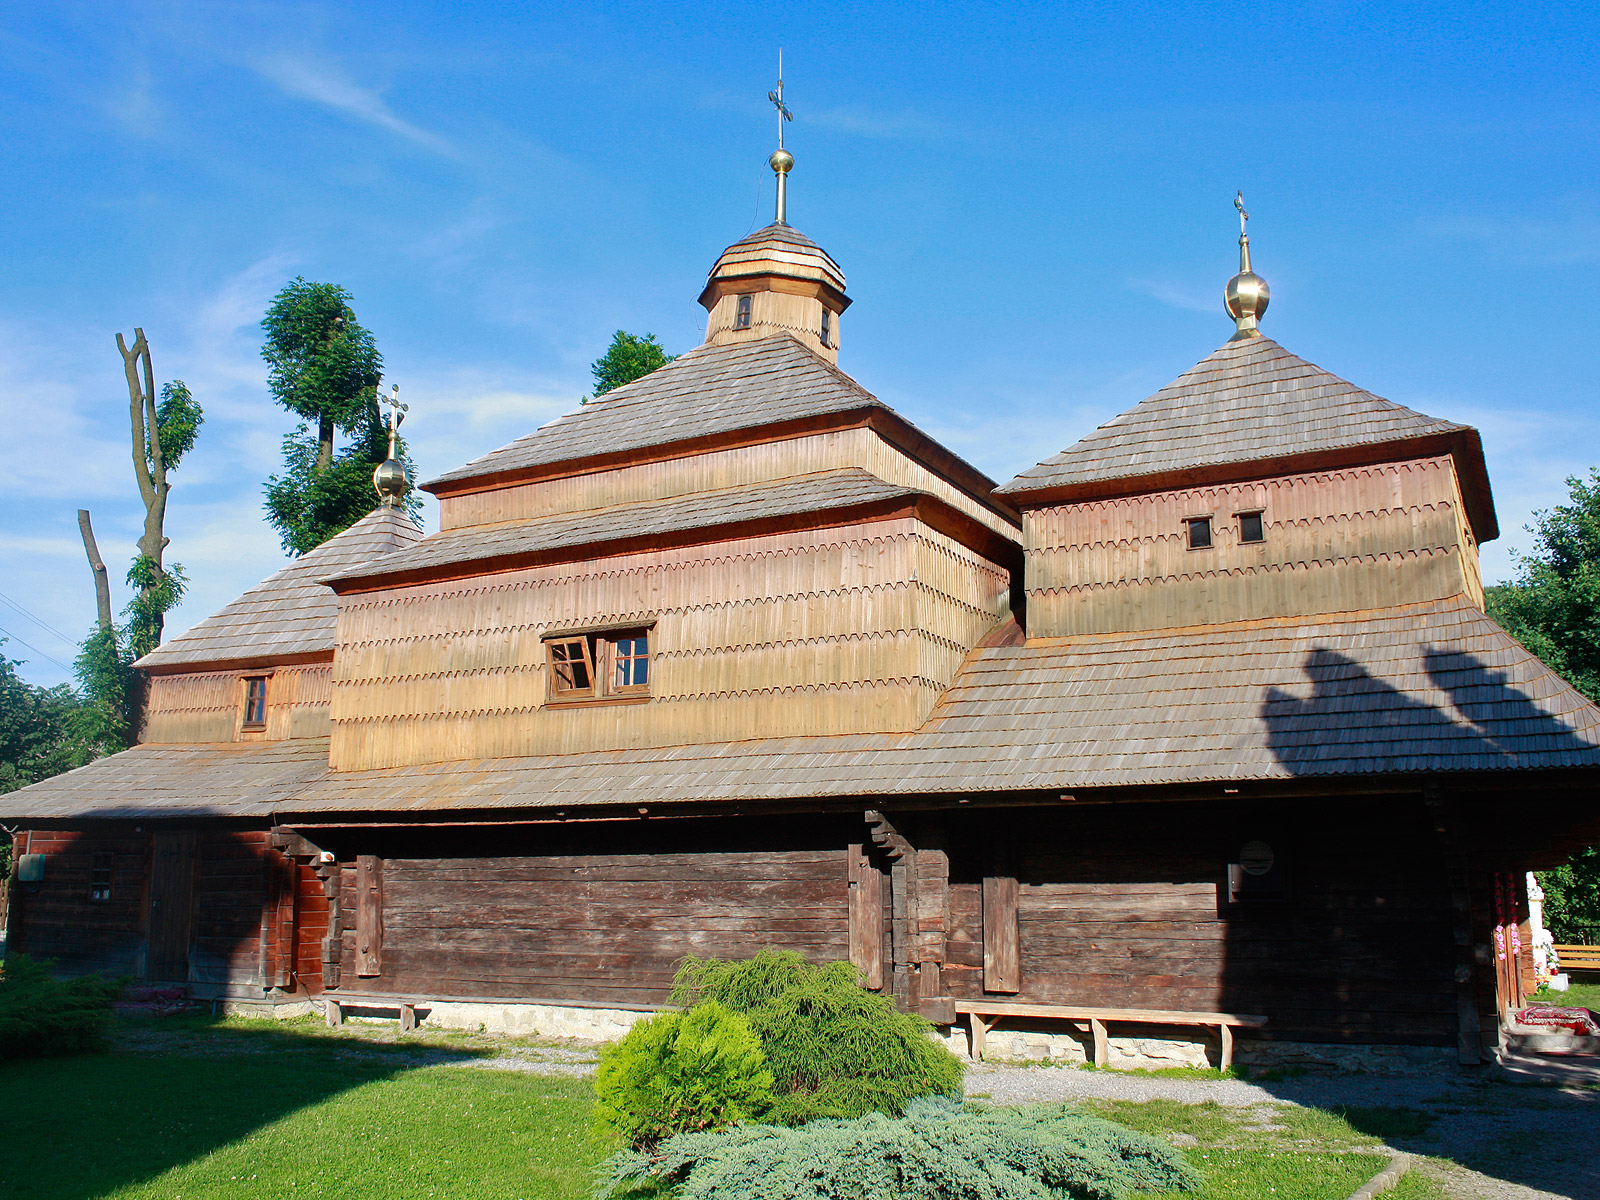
(1579, 995)
(237, 1111)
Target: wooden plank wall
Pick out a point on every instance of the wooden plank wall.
(230, 909)
(312, 912)
(1336, 541)
(1119, 907)
(765, 463)
(207, 706)
(850, 630)
(595, 922)
(58, 920)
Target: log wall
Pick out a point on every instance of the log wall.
(765, 463)
(605, 916)
(1336, 541)
(57, 920)
(208, 706)
(849, 630)
(1119, 906)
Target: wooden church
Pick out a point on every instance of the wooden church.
(1196, 729)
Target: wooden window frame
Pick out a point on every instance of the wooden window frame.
(599, 650)
(827, 327)
(102, 876)
(1188, 532)
(1260, 516)
(246, 722)
(744, 311)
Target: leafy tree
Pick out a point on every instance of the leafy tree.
(626, 359)
(325, 368)
(43, 731)
(1553, 608)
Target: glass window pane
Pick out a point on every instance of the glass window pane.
(1250, 528)
(1199, 533)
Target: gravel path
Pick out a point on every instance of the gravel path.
(1531, 1133)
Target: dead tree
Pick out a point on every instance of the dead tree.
(102, 585)
(150, 470)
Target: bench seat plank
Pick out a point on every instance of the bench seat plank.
(1149, 1016)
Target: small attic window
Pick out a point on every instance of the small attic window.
(1251, 528)
(827, 327)
(605, 665)
(1199, 533)
(741, 318)
(255, 702)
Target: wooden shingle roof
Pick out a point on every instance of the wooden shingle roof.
(1250, 404)
(708, 391)
(1429, 688)
(705, 514)
(292, 614)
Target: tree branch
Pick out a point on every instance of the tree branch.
(102, 586)
(130, 366)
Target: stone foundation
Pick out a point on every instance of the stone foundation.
(1191, 1048)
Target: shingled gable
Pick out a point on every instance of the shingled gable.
(1252, 408)
(289, 617)
(821, 500)
(754, 389)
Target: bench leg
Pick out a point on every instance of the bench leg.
(1102, 1049)
(408, 1017)
(332, 1013)
(1227, 1047)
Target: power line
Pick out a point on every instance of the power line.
(35, 649)
(41, 624)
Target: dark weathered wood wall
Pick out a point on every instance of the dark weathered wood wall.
(1119, 907)
(57, 920)
(603, 915)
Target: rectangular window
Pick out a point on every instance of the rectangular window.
(827, 327)
(100, 878)
(571, 667)
(595, 666)
(742, 320)
(255, 702)
(1199, 533)
(1251, 528)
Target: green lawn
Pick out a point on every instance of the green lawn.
(260, 1109)
(1584, 994)
(244, 1114)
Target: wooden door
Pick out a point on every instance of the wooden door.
(171, 907)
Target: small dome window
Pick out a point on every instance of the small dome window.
(827, 327)
(741, 319)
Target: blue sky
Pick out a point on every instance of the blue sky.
(1031, 203)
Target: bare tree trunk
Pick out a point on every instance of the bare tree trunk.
(149, 464)
(102, 585)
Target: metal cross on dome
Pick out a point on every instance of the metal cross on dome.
(1238, 202)
(397, 411)
(777, 101)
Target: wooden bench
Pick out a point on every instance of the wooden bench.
(1578, 958)
(984, 1015)
(333, 1007)
(334, 1004)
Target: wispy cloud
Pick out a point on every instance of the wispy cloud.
(1548, 241)
(322, 82)
(906, 125)
(1177, 295)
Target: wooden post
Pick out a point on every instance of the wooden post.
(369, 915)
(1227, 1047)
(866, 916)
(332, 1013)
(1447, 825)
(408, 1017)
(1102, 1045)
(1002, 965)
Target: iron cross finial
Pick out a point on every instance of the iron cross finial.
(397, 411)
(777, 101)
(1238, 202)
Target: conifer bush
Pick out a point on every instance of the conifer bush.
(835, 1049)
(41, 1016)
(677, 1071)
(937, 1149)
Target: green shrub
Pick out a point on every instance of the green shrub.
(835, 1049)
(1041, 1152)
(41, 1016)
(677, 1071)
